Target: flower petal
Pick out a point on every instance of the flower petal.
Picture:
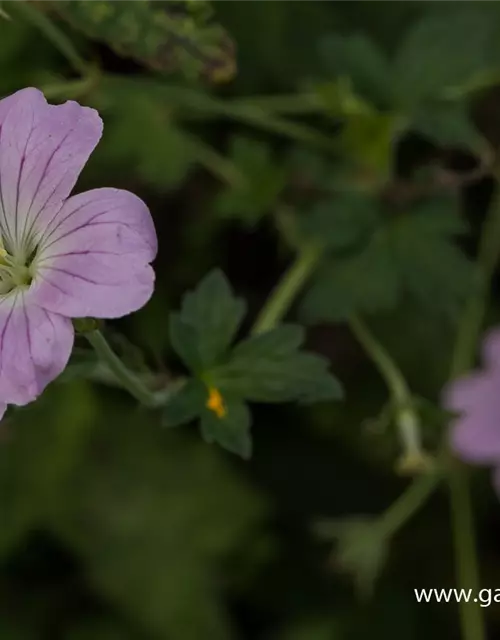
(491, 349)
(34, 348)
(461, 394)
(8, 102)
(94, 256)
(43, 149)
(475, 435)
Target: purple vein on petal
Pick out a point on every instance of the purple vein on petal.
(87, 224)
(4, 329)
(43, 176)
(70, 215)
(4, 213)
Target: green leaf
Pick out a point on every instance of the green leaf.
(270, 368)
(413, 254)
(186, 404)
(184, 340)
(280, 342)
(231, 431)
(361, 550)
(143, 138)
(368, 142)
(358, 58)
(262, 182)
(207, 323)
(365, 281)
(179, 37)
(430, 265)
(448, 124)
(445, 49)
(342, 221)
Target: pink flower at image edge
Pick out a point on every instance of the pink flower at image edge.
(475, 433)
(61, 257)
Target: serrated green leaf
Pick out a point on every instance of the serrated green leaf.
(207, 323)
(448, 124)
(365, 282)
(413, 254)
(447, 49)
(184, 338)
(358, 58)
(186, 404)
(263, 182)
(431, 267)
(280, 342)
(317, 384)
(270, 368)
(342, 221)
(231, 431)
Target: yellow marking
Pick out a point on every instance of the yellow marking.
(215, 402)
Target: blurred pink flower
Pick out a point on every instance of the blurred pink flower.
(475, 434)
(60, 257)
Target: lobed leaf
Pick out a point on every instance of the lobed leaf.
(443, 50)
(186, 404)
(270, 368)
(232, 431)
(358, 58)
(262, 182)
(207, 323)
(414, 254)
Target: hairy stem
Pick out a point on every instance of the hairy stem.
(288, 287)
(127, 379)
(384, 362)
(408, 503)
(406, 418)
(471, 616)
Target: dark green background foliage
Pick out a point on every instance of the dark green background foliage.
(251, 129)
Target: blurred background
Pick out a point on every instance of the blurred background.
(115, 528)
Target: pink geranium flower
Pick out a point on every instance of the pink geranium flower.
(475, 434)
(60, 257)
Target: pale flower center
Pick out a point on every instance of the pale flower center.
(16, 269)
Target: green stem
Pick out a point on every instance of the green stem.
(191, 101)
(52, 32)
(413, 458)
(70, 90)
(462, 518)
(470, 326)
(471, 616)
(218, 165)
(294, 103)
(402, 509)
(422, 487)
(287, 288)
(386, 365)
(127, 379)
